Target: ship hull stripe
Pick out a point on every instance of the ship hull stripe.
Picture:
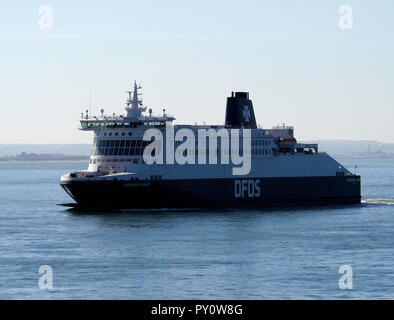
(213, 193)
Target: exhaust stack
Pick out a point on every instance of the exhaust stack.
(239, 111)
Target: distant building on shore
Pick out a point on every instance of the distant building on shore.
(43, 157)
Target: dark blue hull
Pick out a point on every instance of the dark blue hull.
(213, 193)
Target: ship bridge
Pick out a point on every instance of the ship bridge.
(134, 117)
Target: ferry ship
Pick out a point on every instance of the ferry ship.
(283, 172)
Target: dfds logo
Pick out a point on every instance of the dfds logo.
(247, 188)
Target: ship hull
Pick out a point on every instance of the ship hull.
(213, 193)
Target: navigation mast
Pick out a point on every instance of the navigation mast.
(134, 106)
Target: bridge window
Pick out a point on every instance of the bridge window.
(119, 147)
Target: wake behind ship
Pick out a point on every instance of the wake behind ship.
(282, 171)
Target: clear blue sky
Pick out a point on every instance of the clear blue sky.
(298, 66)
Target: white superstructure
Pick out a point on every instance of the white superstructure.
(118, 150)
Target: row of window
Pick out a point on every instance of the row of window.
(119, 143)
(115, 133)
(114, 124)
(138, 151)
(98, 161)
(133, 151)
(260, 142)
(119, 147)
(130, 151)
(102, 144)
(136, 148)
(261, 151)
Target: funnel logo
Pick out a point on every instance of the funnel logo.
(246, 113)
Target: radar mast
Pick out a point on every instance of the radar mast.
(134, 106)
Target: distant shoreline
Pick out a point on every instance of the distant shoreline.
(87, 160)
(41, 161)
(340, 149)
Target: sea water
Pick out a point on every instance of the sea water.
(288, 253)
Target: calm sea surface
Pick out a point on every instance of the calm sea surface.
(259, 254)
